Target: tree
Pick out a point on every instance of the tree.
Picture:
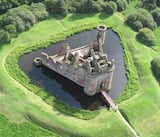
(111, 7)
(141, 18)
(87, 6)
(35, 1)
(19, 17)
(155, 66)
(25, 13)
(62, 8)
(22, 18)
(156, 15)
(5, 5)
(91, 6)
(51, 6)
(4, 37)
(39, 11)
(57, 7)
(82, 6)
(121, 4)
(149, 4)
(128, 1)
(11, 29)
(146, 36)
(158, 2)
(137, 25)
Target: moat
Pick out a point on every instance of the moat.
(66, 90)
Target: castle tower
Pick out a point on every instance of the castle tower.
(101, 36)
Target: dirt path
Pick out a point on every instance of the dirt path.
(129, 126)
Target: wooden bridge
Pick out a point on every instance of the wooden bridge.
(109, 100)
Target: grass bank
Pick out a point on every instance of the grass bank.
(26, 129)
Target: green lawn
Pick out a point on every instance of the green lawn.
(21, 105)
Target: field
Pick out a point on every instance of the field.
(27, 112)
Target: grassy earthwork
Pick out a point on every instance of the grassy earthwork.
(27, 110)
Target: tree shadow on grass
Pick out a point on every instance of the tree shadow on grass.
(3, 45)
(79, 16)
(125, 117)
(60, 17)
(155, 76)
(57, 17)
(104, 15)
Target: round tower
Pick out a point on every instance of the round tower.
(101, 36)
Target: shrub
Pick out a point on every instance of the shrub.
(146, 36)
(111, 7)
(139, 19)
(155, 66)
(156, 15)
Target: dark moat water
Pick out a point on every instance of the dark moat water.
(66, 90)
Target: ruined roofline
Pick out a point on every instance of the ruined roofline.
(88, 66)
(94, 75)
(90, 56)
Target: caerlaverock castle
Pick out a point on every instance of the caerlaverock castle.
(86, 66)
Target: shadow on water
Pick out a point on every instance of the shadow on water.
(64, 89)
(73, 89)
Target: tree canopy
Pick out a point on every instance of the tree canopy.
(5, 5)
(149, 4)
(19, 19)
(111, 7)
(156, 15)
(155, 65)
(141, 18)
(121, 4)
(146, 36)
